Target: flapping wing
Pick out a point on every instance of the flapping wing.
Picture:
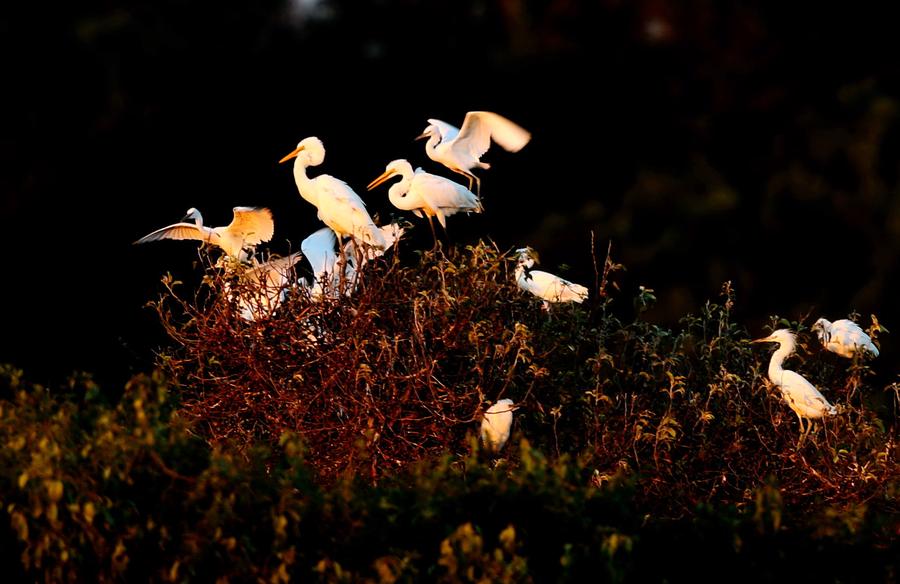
(254, 224)
(479, 128)
(180, 231)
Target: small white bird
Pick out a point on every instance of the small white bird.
(460, 149)
(263, 288)
(339, 206)
(844, 337)
(801, 395)
(496, 424)
(546, 286)
(250, 227)
(421, 192)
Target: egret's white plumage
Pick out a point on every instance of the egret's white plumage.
(801, 395)
(461, 149)
(548, 287)
(250, 227)
(844, 337)
(422, 192)
(496, 424)
(335, 273)
(264, 287)
(339, 206)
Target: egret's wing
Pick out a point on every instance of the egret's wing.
(319, 249)
(447, 131)
(479, 128)
(442, 193)
(275, 272)
(802, 395)
(339, 205)
(555, 289)
(180, 231)
(254, 224)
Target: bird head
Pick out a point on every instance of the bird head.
(822, 327)
(192, 213)
(527, 257)
(783, 337)
(394, 168)
(428, 132)
(309, 150)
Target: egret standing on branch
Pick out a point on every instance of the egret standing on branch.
(496, 424)
(460, 149)
(844, 337)
(546, 286)
(250, 227)
(339, 206)
(801, 395)
(421, 192)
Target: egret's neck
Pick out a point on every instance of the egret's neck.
(778, 357)
(431, 146)
(304, 183)
(396, 192)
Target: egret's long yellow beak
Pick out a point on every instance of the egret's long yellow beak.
(291, 155)
(384, 176)
(768, 339)
(422, 136)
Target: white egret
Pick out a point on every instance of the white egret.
(250, 227)
(844, 337)
(264, 287)
(335, 272)
(422, 192)
(339, 206)
(496, 424)
(460, 149)
(801, 395)
(548, 287)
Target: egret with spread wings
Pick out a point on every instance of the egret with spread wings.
(461, 149)
(250, 227)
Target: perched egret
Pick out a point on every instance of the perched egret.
(264, 287)
(546, 286)
(460, 149)
(250, 227)
(496, 424)
(335, 272)
(844, 337)
(801, 395)
(339, 206)
(421, 192)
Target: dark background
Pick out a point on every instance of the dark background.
(757, 142)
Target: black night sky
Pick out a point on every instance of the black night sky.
(757, 142)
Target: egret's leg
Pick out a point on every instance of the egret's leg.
(433, 232)
(802, 433)
(477, 186)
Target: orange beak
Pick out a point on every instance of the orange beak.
(384, 176)
(291, 155)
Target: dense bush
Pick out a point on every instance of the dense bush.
(122, 492)
(338, 440)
